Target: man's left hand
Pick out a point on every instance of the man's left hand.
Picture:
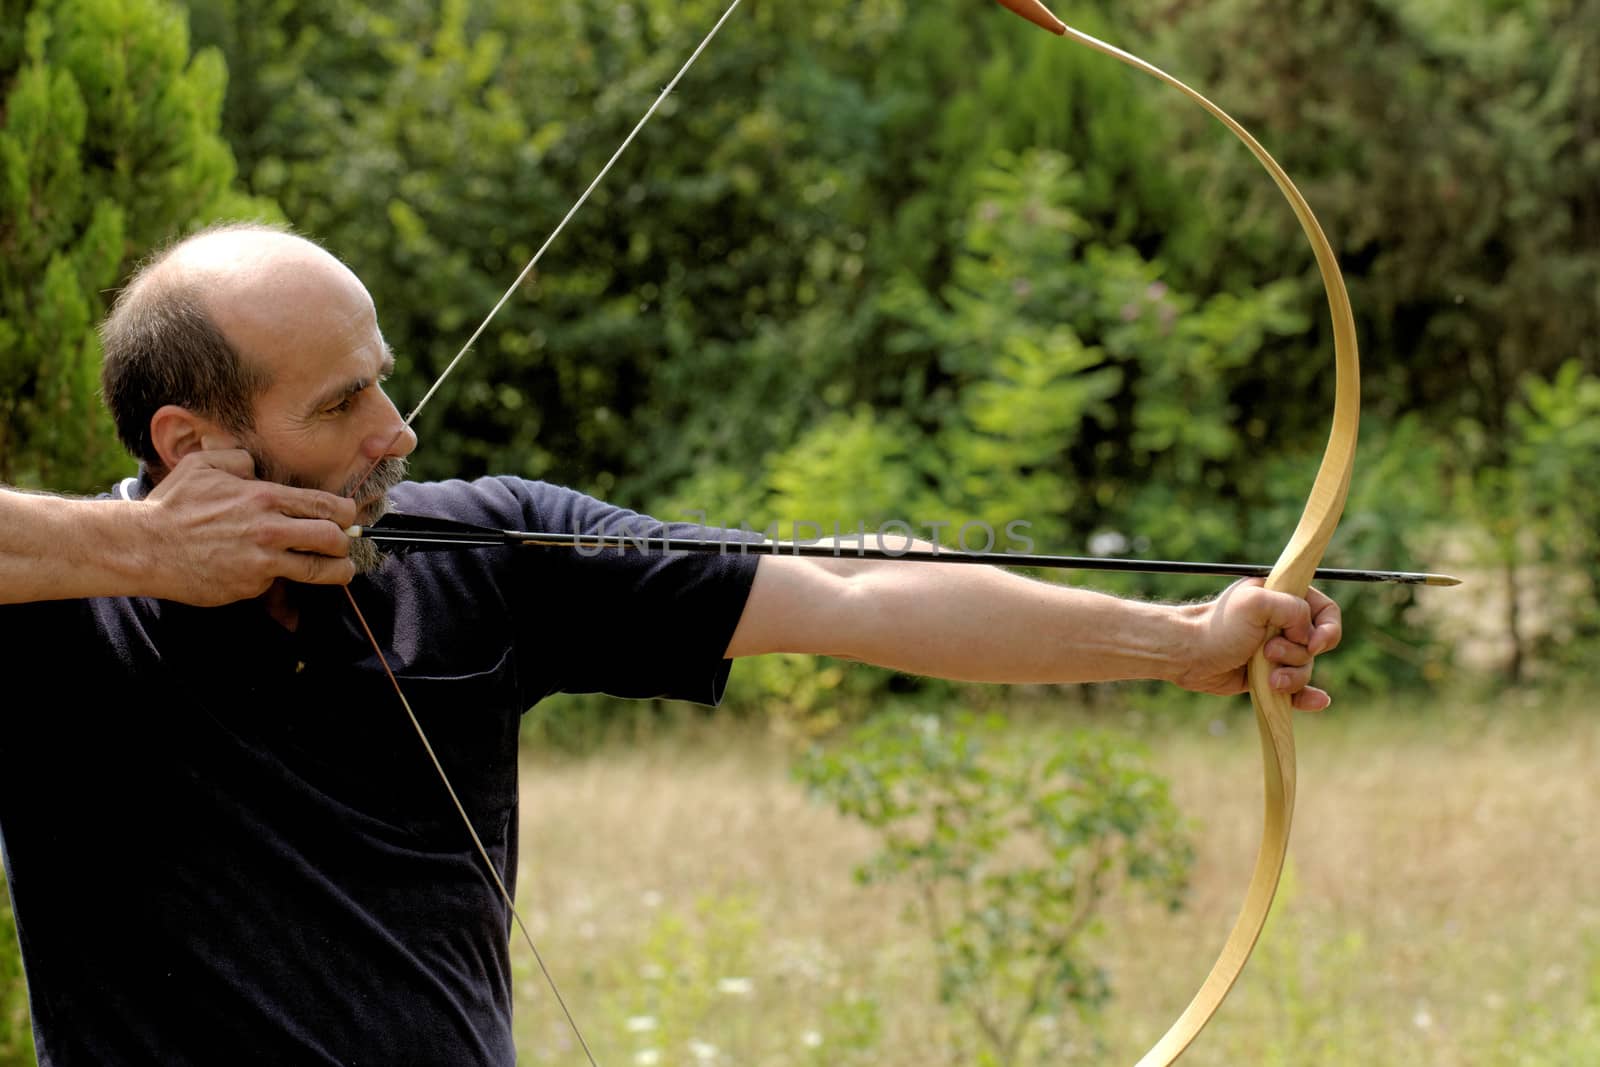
(1235, 624)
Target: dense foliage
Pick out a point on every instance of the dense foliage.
(867, 265)
(108, 144)
(872, 263)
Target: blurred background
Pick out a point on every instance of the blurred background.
(876, 260)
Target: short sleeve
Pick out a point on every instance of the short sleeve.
(632, 622)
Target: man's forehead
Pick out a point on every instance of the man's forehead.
(234, 243)
(285, 304)
(255, 259)
(254, 280)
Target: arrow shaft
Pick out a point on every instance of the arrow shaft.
(476, 537)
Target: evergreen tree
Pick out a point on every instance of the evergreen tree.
(108, 145)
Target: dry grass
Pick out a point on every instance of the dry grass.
(1440, 906)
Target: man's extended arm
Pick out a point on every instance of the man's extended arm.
(986, 625)
(209, 534)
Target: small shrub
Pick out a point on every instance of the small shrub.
(1011, 846)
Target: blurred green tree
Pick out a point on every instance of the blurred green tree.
(1451, 153)
(719, 297)
(765, 304)
(108, 145)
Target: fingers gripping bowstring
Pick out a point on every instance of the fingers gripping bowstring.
(493, 873)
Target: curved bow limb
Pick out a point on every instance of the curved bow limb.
(1292, 573)
(1037, 14)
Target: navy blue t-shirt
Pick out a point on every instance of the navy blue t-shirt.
(225, 842)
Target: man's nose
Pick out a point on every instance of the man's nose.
(394, 439)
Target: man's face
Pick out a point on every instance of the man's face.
(324, 421)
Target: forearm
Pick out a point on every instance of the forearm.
(985, 625)
(962, 622)
(55, 548)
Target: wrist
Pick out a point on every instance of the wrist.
(1181, 636)
(119, 548)
(136, 546)
(97, 554)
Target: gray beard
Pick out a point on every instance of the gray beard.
(368, 556)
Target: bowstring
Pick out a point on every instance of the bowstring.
(491, 872)
(562, 225)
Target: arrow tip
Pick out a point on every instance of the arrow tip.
(1444, 580)
(1036, 13)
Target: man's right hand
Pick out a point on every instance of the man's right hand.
(220, 535)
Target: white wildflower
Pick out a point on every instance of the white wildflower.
(735, 987)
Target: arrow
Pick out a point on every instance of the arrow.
(425, 533)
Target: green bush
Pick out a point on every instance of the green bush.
(1011, 844)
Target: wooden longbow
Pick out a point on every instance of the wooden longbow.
(1292, 573)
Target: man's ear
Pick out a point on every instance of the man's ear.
(176, 431)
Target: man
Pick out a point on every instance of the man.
(225, 844)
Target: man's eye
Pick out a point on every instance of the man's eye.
(342, 406)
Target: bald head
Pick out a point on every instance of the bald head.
(205, 323)
(265, 289)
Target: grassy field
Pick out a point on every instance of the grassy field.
(1441, 905)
